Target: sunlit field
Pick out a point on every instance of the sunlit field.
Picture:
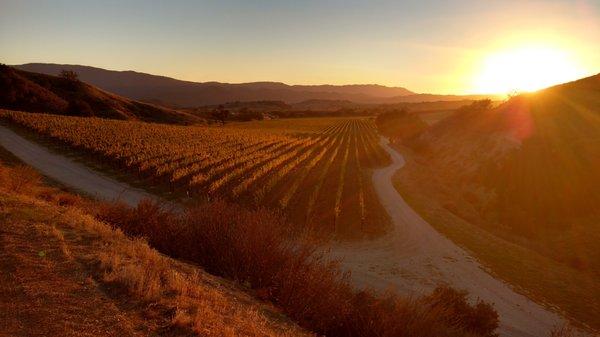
(290, 125)
(315, 170)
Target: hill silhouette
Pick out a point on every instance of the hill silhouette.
(34, 92)
(146, 87)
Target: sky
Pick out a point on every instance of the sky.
(445, 47)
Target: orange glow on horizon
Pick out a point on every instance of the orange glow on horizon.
(526, 69)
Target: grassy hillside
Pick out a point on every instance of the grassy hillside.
(21, 90)
(101, 276)
(63, 273)
(535, 159)
(525, 171)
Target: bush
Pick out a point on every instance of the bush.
(399, 125)
(69, 75)
(251, 247)
(563, 331)
(480, 319)
(246, 115)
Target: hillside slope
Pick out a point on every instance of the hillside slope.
(539, 154)
(527, 173)
(62, 273)
(175, 92)
(56, 238)
(34, 92)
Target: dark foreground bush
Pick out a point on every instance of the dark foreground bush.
(480, 319)
(250, 246)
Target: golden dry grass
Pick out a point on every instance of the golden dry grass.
(78, 270)
(251, 246)
(122, 279)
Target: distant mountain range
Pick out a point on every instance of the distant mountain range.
(177, 93)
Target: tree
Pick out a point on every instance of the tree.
(246, 114)
(69, 75)
(220, 114)
(399, 124)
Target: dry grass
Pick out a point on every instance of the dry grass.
(248, 246)
(189, 298)
(209, 311)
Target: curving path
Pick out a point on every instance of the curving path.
(414, 258)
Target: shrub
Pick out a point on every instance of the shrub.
(480, 319)
(69, 75)
(251, 247)
(562, 331)
(220, 114)
(148, 220)
(399, 125)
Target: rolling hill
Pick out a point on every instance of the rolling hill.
(528, 168)
(169, 91)
(72, 275)
(34, 92)
(519, 186)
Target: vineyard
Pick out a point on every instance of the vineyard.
(315, 170)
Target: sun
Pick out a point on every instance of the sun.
(526, 68)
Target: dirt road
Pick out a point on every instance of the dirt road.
(414, 258)
(69, 172)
